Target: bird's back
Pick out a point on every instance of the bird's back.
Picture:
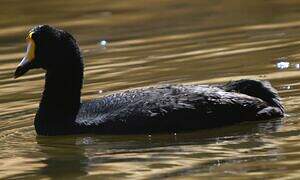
(171, 108)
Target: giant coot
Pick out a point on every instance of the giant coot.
(163, 108)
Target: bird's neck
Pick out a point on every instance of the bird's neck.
(60, 102)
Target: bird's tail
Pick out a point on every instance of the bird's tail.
(256, 88)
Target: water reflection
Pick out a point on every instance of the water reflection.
(160, 156)
(63, 158)
(132, 44)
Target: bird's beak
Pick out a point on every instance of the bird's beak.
(26, 63)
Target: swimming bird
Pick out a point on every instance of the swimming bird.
(163, 108)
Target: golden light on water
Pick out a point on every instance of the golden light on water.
(148, 43)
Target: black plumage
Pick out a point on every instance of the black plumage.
(165, 108)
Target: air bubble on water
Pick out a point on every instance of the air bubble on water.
(286, 87)
(103, 43)
(283, 65)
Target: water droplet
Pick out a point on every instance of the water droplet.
(283, 65)
(103, 43)
(286, 87)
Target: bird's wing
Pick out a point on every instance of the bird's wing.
(160, 102)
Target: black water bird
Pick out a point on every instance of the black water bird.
(164, 108)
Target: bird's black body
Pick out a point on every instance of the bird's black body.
(171, 108)
(165, 108)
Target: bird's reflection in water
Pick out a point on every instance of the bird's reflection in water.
(75, 156)
(63, 157)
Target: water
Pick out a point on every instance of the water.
(129, 44)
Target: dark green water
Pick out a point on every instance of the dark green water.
(152, 42)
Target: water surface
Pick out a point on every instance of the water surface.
(147, 43)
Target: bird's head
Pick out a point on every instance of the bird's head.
(48, 48)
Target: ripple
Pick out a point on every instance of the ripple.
(133, 44)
